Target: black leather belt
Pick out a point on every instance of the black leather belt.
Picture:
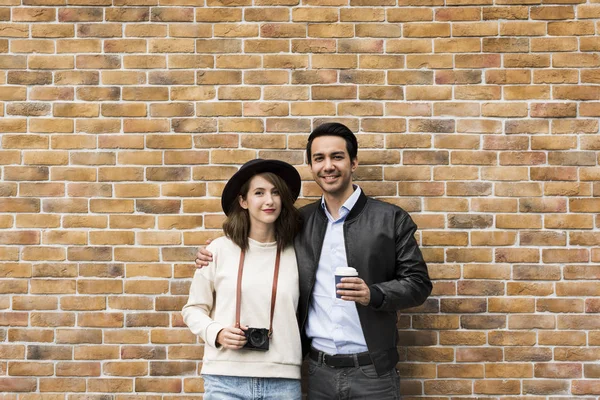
(340, 360)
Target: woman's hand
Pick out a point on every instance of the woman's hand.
(232, 338)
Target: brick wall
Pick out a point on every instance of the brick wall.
(121, 122)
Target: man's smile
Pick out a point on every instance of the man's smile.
(329, 178)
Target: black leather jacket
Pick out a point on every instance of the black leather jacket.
(380, 244)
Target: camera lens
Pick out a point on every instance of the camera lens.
(257, 338)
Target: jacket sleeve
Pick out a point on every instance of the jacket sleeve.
(412, 285)
(196, 313)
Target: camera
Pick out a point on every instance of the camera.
(258, 339)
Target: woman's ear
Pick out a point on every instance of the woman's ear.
(243, 203)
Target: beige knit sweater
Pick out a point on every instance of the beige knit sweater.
(211, 306)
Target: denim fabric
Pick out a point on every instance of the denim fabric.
(352, 383)
(221, 387)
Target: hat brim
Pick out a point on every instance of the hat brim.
(258, 166)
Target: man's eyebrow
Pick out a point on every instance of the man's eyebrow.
(334, 153)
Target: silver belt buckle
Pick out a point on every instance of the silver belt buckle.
(325, 356)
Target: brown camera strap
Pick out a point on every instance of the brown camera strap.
(238, 301)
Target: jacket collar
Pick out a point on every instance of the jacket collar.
(358, 207)
(346, 207)
(354, 212)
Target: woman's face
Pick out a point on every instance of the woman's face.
(262, 201)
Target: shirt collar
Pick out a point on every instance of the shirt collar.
(346, 207)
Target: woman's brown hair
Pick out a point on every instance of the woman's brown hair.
(237, 224)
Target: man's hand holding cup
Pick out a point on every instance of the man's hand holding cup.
(350, 287)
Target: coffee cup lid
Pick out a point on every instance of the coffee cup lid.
(349, 271)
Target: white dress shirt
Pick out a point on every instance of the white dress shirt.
(333, 324)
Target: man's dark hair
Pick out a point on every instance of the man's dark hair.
(333, 129)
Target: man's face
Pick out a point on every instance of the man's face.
(331, 166)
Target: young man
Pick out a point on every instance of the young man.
(351, 342)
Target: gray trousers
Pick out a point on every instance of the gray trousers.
(326, 383)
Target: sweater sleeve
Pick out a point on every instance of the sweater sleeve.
(196, 313)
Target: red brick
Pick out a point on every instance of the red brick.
(565, 255)
(52, 319)
(162, 385)
(133, 337)
(18, 384)
(460, 371)
(116, 368)
(461, 338)
(479, 288)
(510, 12)
(78, 369)
(511, 305)
(587, 387)
(528, 353)
(532, 289)
(530, 321)
(509, 370)
(12, 351)
(545, 387)
(429, 354)
(440, 61)
(448, 387)
(30, 369)
(542, 238)
(500, 238)
(78, 336)
(576, 354)
(110, 385)
(591, 371)
(463, 305)
(490, 387)
(478, 61)
(141, 352)
(32, 336)
(478, 354)
(559, 305)
(562, 370)
(101, 352)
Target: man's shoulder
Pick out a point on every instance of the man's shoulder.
(384, 206)
(310, 208)
(389, 212)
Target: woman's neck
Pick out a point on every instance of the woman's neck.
(262, 233)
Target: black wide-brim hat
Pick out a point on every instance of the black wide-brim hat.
(254, 167)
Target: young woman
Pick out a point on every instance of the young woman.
(243, 305)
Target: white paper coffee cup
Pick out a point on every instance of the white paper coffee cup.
(343, 272)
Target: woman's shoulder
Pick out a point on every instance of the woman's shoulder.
(221, 243)
(289, 252)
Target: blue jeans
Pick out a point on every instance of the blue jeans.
(221, 387)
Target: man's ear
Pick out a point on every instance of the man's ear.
(354, 164)
(243, 203)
